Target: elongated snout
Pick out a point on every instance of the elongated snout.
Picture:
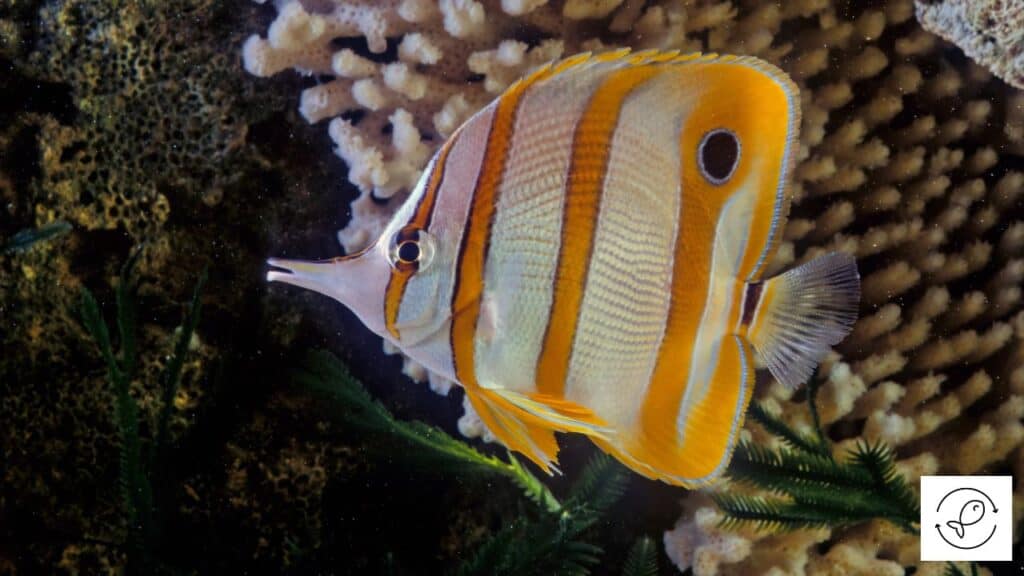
(359, 282)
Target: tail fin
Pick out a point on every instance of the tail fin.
(957, 527)
(804, 312)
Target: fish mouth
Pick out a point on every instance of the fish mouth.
(282, 269)
(316, 275)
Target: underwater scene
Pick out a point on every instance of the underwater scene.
(512, 287)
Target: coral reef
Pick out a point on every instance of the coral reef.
(908, 160)
(108, 123)
(150, 123)
(990, 31)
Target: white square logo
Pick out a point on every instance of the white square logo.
(967, 518)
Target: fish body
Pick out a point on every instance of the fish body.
(586, 254)
(970, 514)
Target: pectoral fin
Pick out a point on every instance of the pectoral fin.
(803, 313)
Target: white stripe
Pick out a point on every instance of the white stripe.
(625, 304)
(526, 233)
(423, 315)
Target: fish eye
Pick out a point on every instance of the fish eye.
(411, 249)
(718, 155)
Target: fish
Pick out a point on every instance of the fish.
(970, 514)
(586, 255)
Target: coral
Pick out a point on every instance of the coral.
(287, 482)
(149, 123)
(906, 161)
(989, 31)
(106, 125)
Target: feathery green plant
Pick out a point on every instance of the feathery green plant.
(642, 559)
(809, 488)
(551, 542)
(324, 374)
(547, 541)
(136, 473)
(954, 570)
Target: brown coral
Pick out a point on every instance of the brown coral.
(150, 122)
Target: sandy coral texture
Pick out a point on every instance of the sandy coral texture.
(906, 161)
(990, 31)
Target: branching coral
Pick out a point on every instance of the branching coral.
(908, 160)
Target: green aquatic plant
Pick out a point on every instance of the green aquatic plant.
(642, 559)
(29, 237)
(553, 542)
(324, 374)
(549, 540)
(954, 570)
(809, 487)
(137, 474)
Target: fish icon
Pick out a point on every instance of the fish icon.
(971, 513)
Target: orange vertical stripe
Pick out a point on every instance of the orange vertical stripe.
(420, 220)
(762, 132)
(591, 150)
(729, 392)
(469, 273)
(699, 207)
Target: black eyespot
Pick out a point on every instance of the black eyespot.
(409, 251)
(718, 155)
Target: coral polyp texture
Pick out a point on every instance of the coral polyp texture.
(149, 123)
(990, 31)
(909, 160)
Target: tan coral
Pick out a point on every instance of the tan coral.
(989, 31)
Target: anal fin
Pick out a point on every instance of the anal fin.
(557, 413)
(526, 423)
(515, 429)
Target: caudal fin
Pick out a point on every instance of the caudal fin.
(803, 313)
(957, 527)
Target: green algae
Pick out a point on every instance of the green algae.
(324, 374)
(642, 559)
(138, 475)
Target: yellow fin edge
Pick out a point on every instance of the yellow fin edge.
(526, 423)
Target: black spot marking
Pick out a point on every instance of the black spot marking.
(718, 155)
